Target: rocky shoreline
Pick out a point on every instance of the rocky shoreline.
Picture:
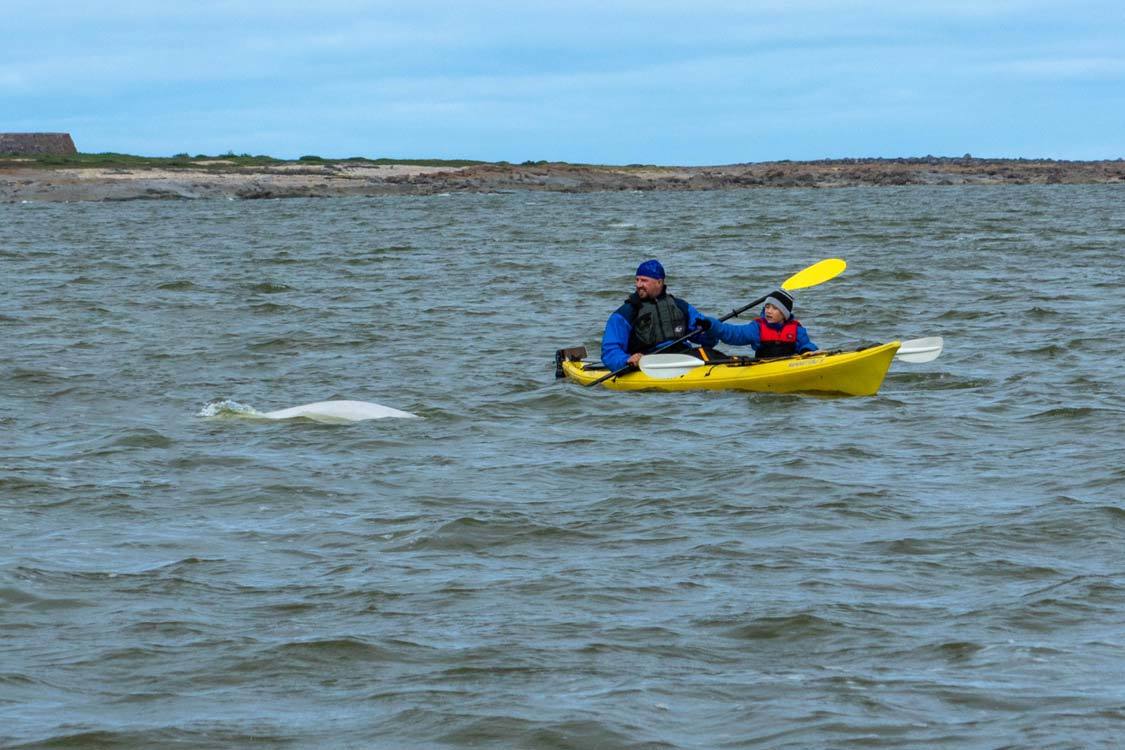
(214, 179)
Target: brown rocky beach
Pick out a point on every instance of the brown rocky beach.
(24, 179)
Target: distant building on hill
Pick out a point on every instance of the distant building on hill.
(35, 144)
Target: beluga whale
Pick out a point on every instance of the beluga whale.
(333, 412)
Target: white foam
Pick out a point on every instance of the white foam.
(228, 408)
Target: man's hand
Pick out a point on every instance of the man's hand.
(703, 324)
(635, 358)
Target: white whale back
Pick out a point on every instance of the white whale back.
(321, 411)
(340, 411)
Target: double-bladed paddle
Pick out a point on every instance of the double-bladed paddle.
(668, 366)
(817, 273)
(920, 350)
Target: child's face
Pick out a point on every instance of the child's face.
(773, 315)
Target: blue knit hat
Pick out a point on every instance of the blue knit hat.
(651, 269)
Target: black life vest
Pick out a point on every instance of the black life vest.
(777, 343)
(655, 321)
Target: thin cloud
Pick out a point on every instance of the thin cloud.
(1066, 68)
(654, 80)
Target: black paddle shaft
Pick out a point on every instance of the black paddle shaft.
(680, 340)
(744, 308)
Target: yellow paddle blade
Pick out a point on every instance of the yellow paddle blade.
(817, 273)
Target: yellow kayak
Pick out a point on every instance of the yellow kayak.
(856, 373)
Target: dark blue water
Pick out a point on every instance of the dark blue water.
(537, 565)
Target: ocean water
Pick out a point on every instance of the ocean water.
(532, 564)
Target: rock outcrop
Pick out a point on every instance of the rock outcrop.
(22, 180)
(26, 144)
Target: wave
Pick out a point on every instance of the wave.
(180, 285)
(267, 287)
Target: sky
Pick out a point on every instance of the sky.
(700, 82)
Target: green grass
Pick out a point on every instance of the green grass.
(128, 161)
(425, 162)
(110, 160)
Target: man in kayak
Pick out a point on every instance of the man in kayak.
(651, 317)
(776, 333)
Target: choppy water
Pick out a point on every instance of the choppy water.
(532, 564)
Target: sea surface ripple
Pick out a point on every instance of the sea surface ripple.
(536, 565)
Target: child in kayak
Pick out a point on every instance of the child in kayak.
(776, 333)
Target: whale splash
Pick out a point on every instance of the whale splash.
(332, 412)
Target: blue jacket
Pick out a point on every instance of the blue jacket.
(615, 340)
(747, 335)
